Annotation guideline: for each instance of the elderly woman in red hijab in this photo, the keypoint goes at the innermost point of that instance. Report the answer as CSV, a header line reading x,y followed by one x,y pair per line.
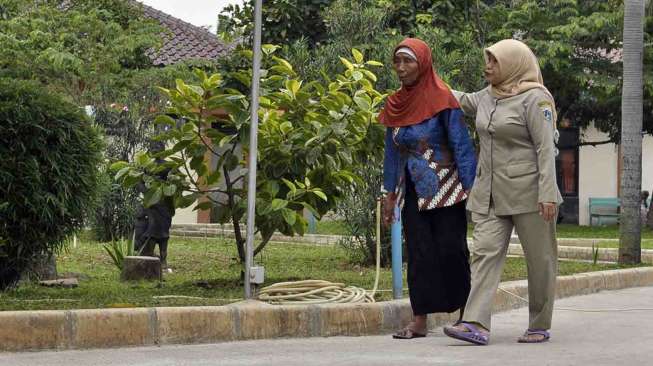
x,y
429,168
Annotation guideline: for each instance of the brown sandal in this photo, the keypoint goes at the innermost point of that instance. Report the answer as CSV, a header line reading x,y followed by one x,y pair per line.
x,y
407,333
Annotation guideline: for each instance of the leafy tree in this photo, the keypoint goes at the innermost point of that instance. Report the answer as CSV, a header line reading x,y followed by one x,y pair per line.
x,y
48,174
74,47
579,45
94,52
127,117
284,21
310,135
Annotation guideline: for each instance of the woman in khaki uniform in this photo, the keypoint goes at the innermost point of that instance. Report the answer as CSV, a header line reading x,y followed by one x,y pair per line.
x,y
515,187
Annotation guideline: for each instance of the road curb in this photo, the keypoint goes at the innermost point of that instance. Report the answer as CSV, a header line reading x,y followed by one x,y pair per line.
x,y
105,328
586,253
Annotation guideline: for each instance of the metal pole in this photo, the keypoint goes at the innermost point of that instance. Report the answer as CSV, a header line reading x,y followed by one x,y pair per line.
x,y
253,151
397,279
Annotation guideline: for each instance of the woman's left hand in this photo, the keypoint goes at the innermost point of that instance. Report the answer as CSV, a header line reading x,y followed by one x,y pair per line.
x,y
548,210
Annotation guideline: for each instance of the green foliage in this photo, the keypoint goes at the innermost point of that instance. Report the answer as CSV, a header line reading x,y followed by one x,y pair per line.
x,y
311,134
94,52
48,173
127,116
76,47
578,43
115,209
374,28
358,209
284,21
118,250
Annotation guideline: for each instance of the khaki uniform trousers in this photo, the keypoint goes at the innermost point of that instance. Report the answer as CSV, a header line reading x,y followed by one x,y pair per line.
x,y
489,249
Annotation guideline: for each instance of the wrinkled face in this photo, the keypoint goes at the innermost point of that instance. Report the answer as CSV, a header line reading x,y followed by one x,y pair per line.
x,y
407,69
491,69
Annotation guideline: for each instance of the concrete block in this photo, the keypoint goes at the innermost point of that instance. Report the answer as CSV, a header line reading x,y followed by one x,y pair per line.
x,y
141,268
645,276
396,315
612,280
351,319
588,283
104,328
202,324
629,278
609,254
256,320
33,330
508,295
441,319
566,286
647,257
298,321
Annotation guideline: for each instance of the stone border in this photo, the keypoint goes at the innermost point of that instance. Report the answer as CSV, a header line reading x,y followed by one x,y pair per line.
x,y
568,248
586,253
102,328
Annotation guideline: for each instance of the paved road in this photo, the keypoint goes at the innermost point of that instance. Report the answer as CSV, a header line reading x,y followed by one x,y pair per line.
x,y
579,338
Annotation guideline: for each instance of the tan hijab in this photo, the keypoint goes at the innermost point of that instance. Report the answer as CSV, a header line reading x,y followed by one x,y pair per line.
x,y
518,69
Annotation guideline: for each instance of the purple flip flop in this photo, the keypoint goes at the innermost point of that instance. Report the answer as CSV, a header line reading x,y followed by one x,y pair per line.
x,y
544,333
472,335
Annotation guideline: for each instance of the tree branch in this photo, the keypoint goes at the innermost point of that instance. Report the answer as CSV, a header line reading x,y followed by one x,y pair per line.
x,y
237,179
208,146
231,202
264,242
207,191
588,143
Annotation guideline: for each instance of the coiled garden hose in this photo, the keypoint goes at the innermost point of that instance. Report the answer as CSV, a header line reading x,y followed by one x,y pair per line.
x,y
322,292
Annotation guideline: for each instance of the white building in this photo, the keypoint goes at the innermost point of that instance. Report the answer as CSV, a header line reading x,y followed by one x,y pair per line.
x,y
598,171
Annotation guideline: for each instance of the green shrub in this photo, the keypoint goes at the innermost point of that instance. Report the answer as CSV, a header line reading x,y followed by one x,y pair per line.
x,y
358,210
48,174
118,250
115,210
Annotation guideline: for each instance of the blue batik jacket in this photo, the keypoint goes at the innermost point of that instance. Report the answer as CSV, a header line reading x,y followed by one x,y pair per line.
x,y
438,155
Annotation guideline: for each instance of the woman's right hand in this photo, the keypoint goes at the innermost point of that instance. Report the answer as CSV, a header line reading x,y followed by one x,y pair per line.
x,y
388,209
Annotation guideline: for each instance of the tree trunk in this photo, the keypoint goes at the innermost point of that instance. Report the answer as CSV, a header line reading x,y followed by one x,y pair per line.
x,y
45,268
136,268
631,133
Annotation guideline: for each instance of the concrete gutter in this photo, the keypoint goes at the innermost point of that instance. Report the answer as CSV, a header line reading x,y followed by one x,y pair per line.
x,y
103,328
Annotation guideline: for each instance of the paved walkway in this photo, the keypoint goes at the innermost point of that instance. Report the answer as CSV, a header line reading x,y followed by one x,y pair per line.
x,y
579,338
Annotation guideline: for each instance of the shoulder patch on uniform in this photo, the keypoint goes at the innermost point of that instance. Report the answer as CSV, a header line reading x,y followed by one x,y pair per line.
x,y
547,110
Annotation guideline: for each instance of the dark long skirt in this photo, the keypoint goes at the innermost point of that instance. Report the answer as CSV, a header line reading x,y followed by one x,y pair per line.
x,y
438,257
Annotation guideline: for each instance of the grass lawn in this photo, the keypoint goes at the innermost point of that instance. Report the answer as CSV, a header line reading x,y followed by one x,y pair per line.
x,y
603,232
206,271
646,244
334,227
337,227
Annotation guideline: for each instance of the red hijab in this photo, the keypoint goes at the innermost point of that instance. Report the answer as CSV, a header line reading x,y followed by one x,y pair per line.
x,y
429,96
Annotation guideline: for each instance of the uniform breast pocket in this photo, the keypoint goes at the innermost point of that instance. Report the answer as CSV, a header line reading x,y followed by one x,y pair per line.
x,y
515,120
521,169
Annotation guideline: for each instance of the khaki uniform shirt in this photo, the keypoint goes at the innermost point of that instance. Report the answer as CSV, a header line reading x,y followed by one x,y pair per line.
x,y
516,166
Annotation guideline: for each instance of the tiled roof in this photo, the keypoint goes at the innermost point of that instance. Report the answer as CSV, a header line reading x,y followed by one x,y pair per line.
x,y
183,41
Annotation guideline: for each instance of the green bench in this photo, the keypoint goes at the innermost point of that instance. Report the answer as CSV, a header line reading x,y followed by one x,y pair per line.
x,y
603,207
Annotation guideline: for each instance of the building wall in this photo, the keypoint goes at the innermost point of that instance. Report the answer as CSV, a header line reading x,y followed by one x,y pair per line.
x,y
185,215
598,170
